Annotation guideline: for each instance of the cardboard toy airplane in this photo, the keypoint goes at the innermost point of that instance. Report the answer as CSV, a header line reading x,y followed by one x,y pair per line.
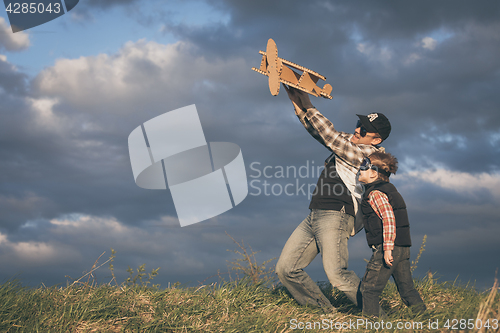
x,y
272,66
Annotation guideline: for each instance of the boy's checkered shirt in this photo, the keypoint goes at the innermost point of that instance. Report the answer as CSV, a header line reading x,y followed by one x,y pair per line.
x,y
380,204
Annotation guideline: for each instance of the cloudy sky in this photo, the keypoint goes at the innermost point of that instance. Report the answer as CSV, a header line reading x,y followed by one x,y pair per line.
x,y
73,89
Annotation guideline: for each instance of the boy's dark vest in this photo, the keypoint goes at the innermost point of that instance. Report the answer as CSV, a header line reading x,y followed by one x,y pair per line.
x,y
373,224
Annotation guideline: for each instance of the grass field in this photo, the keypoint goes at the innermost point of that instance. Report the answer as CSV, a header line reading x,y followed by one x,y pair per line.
x,y
251,303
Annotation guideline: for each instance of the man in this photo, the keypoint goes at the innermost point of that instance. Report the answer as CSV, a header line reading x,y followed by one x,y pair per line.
x,y
333,206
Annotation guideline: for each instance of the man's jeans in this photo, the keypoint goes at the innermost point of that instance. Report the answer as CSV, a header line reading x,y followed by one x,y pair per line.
x,y
378,273
325,231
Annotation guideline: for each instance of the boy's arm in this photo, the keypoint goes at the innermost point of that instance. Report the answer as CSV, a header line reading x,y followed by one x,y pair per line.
x,y
380,204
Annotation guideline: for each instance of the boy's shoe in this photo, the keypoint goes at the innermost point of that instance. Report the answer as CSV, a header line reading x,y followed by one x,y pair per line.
x,y
418,309
381,315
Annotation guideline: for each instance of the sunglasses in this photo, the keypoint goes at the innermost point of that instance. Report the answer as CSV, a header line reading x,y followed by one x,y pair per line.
x,y
367,164
363,131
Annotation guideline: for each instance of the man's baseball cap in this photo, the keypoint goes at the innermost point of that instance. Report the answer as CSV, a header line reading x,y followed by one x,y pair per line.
x,y
376,123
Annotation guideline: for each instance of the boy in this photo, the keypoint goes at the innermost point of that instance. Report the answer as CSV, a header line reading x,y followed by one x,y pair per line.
x,y
388,234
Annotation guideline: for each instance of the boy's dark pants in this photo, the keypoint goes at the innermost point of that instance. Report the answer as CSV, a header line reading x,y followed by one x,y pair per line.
x,y
378,273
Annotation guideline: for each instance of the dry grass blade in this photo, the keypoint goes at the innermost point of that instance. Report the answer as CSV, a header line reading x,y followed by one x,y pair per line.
x,y
250,268
422,249
486,310
93,269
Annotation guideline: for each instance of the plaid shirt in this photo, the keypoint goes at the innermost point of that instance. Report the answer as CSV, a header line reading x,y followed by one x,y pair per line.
x,y
337,142
380,204
349,155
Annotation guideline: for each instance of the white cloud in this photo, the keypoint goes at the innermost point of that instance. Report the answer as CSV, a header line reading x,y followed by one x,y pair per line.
x,y
34,251
380,54
164,220
87,230
70,238
12,41
460,182
138,73
3,238
429,43
44,115
29,253
87,224
67,238
458,140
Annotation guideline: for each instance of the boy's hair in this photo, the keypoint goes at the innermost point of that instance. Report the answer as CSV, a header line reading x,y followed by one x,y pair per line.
x,y
384,161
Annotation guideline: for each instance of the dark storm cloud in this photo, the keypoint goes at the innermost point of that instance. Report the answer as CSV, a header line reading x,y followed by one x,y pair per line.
x,y
110,3
319,26
376,20
450,84
16,201
12,82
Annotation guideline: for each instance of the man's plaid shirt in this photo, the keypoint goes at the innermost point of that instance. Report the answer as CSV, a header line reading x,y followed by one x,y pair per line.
x,y
349,156
380,204
337,142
